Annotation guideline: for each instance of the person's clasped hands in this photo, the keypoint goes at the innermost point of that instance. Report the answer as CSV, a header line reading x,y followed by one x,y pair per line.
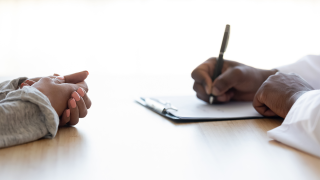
x,y
272,93
67,95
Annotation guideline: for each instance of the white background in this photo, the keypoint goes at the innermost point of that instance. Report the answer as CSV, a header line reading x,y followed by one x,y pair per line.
x,y
151,37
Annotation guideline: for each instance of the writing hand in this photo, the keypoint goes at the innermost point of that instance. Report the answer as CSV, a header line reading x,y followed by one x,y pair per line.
x,y
237,81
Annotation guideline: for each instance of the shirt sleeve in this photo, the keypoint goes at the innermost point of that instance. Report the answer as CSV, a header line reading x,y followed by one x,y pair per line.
x,y
301,127
307,67
25,115
8,86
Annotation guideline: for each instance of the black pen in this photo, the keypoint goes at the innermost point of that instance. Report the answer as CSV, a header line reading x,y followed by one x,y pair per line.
x,y
219,63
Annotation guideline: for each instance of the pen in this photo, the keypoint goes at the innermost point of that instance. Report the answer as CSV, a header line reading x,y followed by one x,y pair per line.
x,y
219,63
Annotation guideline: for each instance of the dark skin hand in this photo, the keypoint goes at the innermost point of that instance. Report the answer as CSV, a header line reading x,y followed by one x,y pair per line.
x,y
278,93
237,81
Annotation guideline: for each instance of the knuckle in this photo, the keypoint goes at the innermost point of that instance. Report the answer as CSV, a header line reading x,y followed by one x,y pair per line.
x,y
46,79
74,122
195,87
221,83
83,114
198,96
294,74
271,78
262,93
278,74
212,59
237,71
87,103
193,73
263,86
85,88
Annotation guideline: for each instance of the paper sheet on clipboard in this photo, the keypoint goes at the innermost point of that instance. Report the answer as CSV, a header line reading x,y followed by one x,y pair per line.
x,y
191,108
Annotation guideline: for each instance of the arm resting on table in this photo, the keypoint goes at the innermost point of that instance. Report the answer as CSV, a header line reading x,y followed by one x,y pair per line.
x,y
301,127
26,115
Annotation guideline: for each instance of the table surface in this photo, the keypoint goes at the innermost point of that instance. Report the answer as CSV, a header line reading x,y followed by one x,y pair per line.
x,y
149,47
119,139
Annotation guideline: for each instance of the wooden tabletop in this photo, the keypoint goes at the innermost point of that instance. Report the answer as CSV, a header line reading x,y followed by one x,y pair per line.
x,y
120,139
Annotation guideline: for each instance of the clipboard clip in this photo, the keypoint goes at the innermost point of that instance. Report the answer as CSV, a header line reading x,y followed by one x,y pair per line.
x,y
159,106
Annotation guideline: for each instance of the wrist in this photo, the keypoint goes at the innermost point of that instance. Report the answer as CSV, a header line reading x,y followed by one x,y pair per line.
x,y
267,73
295,97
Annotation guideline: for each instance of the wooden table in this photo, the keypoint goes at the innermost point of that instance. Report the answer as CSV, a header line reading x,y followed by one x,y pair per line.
x,y
120,139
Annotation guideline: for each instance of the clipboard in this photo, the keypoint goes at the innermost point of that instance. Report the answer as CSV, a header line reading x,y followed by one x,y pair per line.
x,y
190,108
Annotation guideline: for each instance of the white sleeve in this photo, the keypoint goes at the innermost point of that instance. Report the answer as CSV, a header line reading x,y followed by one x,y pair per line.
x,y
301,127
307,67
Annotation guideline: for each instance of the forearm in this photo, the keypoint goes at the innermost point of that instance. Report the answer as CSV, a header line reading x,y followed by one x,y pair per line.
x,y
20,122
11,85
26,115
301,127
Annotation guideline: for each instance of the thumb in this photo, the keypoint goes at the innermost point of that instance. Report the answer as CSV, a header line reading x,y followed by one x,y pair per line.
x,y
73,78
225,81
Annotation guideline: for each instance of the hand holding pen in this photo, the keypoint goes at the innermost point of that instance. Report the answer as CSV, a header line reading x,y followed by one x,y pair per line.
x,y
227,81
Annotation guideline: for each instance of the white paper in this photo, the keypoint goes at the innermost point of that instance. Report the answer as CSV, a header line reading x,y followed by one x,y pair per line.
x,y
192,107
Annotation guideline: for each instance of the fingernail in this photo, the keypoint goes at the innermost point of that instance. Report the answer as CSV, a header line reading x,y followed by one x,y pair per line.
x,y
207,90
215,91
73,103
60,77
76,96
88,72
80,92
68,112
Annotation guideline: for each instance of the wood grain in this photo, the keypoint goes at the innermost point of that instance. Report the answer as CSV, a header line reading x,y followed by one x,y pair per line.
x,y
120,139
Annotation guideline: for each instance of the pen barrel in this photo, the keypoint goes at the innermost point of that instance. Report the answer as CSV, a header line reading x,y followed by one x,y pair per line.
x,y
218,67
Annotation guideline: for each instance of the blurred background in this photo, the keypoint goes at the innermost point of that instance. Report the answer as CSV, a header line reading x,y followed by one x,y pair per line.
x,y
121,38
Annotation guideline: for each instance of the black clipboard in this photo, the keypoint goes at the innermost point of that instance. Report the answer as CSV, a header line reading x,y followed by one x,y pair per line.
x,y
182,108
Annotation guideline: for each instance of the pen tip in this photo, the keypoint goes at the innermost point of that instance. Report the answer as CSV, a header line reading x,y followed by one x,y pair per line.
x,y
211,99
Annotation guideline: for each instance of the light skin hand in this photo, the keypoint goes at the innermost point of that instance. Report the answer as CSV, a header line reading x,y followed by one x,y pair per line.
x,y
81,102
237,82
71,78
58,94
78,104
278,93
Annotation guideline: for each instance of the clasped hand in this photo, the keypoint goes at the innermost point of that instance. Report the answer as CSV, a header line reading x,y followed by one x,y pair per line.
x,y
272,93
67,95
